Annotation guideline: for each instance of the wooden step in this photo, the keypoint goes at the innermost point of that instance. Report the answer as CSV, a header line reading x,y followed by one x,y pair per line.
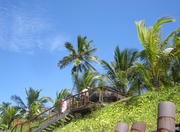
x,y
54,124
51,127
48,129
54,120
71,116
59,120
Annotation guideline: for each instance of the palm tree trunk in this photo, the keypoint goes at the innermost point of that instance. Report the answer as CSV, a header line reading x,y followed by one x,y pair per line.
x,y
155,80
139,89
156,84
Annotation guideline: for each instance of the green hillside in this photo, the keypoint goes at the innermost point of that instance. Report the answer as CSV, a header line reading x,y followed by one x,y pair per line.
x,y
139,108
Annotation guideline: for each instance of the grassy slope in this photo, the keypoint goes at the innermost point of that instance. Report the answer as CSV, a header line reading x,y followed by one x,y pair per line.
x,y
142,108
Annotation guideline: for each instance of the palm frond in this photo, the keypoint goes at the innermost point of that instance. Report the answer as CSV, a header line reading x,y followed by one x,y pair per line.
x,y
89,67
92,59
4,106
32,95
165,42
142,32
70,47
63,94
65,61
115,77
132,56
45,99
81,43
86,80
18,101
90,51
109,69
161,21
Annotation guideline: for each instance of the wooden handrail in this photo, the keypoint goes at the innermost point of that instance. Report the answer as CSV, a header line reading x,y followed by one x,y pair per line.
x,y
50,117
30,120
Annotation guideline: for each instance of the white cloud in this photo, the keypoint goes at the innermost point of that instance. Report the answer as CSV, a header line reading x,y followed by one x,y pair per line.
x,y
58,42
21,32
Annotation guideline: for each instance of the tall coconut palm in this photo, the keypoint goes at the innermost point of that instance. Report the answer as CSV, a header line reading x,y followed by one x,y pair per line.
x,y
118,69
154,47
35,103
81,58
87,79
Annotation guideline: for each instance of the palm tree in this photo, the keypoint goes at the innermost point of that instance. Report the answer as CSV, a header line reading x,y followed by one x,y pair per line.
x,y
63,94
81,58
139,79
118,69
175,71
87,79
174,58
7,114
154,47
60,96
35,103
3,107
176,42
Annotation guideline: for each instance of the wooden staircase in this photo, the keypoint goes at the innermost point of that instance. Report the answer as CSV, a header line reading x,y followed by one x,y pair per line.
x,y
76,104
57,121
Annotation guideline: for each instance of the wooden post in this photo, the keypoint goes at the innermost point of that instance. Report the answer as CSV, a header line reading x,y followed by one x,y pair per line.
x,y
49,113
16,128
166,117
60,107
103,91
21,128
72,103
87,97
101,95
121,127
138,127
29,128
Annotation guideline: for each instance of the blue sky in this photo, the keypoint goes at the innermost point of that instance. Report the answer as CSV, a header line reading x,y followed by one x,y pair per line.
x,y
32,34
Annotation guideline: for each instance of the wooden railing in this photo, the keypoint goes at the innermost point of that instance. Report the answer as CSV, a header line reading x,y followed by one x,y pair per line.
x,y
73,102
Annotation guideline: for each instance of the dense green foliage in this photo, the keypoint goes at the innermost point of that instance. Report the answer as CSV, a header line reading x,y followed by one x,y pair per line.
x,y
137,108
